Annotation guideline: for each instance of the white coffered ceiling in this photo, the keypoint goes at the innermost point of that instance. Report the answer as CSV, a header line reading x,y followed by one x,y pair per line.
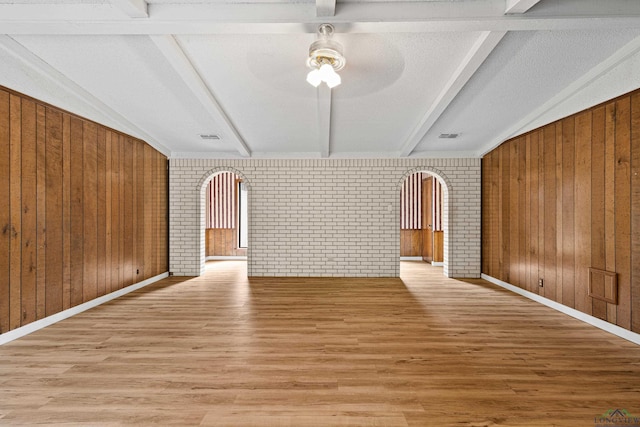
x,y
168,71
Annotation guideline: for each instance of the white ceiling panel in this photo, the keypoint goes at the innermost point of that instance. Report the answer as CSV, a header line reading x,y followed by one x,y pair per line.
x,y
524,71
168,71
389,83
260,81
128,74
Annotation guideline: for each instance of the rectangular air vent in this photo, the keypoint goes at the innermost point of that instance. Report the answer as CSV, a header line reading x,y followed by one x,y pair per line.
x,y
448,135
209,137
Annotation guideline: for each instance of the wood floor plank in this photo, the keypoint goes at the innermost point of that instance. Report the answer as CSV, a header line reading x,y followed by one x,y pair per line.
x,y
222,349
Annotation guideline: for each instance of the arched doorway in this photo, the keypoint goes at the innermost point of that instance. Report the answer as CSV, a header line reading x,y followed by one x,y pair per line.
x,y
224,216
424,217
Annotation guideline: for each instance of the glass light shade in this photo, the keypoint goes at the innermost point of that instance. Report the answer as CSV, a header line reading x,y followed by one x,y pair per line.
x,y
333,79
314,78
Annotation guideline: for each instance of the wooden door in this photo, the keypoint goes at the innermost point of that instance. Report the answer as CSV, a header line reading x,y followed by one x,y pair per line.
x,y
427,219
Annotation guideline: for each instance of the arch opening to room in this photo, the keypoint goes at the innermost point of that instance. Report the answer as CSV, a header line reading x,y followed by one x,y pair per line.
x,y
224,223
424,219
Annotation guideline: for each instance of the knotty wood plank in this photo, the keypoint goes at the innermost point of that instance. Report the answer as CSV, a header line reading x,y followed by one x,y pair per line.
x,y
53,176
534,196
598,219
29,210
635,212
583,210
550,212
623,210
101,194
568,212
5,217
76,208
66,211
150,211
15,195
41,215
609,205
514,214
90,215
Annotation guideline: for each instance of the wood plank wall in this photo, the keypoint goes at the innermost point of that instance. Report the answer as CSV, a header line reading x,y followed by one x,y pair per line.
x,y
411,234
566,197
83,210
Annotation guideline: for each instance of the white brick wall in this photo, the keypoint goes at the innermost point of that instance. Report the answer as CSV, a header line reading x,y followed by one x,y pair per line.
x,y
325,217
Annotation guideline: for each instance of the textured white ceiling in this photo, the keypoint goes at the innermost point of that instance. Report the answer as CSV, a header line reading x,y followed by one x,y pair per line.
x,y
170,70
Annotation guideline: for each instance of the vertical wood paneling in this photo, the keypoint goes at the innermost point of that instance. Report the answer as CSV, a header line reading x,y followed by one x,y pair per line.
x,y
15,195
101,194
108,200
76,209
564,198
5,207
29,210
550,235
142,165
505,211
116,230
583,211
541,208
66,211
635,212
90,206
598,217
568,211
53,205
514,211
623,211
600,307
84,209
129,272
41,214
559,211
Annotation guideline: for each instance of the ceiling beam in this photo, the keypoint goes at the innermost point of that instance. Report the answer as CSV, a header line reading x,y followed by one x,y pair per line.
x,y
55,77
528,122
519,6
325,7
174,54
324,119
133,8
481,49
296,18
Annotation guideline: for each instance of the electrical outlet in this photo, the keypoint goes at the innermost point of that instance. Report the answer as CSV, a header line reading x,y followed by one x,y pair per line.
x,y
541,282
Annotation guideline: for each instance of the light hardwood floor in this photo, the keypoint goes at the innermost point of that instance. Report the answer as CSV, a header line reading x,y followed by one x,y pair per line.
x,y
224,350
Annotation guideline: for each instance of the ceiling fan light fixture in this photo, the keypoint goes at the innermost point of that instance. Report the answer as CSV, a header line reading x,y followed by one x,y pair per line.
x,y
325,58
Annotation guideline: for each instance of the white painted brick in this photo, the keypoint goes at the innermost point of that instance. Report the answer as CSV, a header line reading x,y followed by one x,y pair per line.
x,y
303,212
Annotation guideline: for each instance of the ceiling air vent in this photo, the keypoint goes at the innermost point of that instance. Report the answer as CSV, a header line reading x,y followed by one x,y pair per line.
x,y
448,135
209,137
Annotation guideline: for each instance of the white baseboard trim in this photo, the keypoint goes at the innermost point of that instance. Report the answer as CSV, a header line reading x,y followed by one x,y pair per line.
x,y
437,264
410,258
598,323
226,258
54,318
